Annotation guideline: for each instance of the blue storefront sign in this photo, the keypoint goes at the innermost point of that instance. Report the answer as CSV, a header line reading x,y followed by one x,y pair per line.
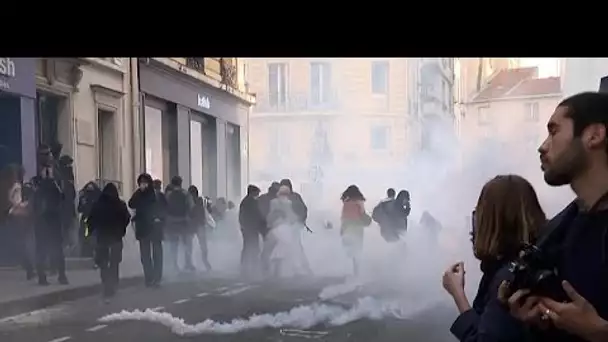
x,y
18,76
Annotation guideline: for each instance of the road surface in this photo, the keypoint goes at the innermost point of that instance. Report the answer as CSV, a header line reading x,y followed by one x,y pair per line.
x,y
197,299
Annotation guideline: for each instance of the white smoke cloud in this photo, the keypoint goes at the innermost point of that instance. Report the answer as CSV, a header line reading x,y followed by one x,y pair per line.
x,y
302,317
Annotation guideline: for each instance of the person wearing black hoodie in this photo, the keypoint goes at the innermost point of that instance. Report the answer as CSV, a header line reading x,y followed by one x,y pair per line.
x,y
391,215
252,224
108,221
574,153
149,220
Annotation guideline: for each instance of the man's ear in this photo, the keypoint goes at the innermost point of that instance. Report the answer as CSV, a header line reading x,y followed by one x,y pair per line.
x,y
596,136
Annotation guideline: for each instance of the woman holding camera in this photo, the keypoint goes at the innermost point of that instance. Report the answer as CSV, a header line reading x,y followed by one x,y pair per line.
x,y
507,214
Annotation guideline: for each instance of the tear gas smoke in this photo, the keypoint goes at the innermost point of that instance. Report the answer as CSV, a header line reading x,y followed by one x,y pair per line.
x,y
445,179
303,317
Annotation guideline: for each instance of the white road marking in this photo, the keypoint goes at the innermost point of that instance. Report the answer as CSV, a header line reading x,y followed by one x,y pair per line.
x,y
35,317
204,294
61,339
181,301
158,308
223,288
97,327
236,291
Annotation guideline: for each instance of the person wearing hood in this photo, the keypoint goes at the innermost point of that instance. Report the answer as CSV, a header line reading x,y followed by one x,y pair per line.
x,y
264,207
252,224
87,197
178,228
391,215
149,221
108,221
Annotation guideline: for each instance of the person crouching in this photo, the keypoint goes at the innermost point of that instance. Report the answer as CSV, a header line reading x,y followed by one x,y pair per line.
x,y
108,220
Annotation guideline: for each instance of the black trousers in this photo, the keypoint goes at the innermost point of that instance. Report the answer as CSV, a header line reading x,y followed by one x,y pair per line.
x,y
250,255
108,255
151,254
49,245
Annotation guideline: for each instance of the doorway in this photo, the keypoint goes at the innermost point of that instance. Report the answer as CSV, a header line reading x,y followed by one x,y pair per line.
x,y
106,146
233,161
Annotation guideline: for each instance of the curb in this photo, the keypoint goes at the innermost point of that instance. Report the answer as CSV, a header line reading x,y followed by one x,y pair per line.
x,y
37,302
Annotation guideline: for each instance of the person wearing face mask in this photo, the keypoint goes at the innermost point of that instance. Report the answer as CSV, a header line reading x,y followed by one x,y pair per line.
x,y
109,219
148,223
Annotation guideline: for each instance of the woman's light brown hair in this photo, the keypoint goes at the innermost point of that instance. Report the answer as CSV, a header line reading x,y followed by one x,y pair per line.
x,y
507,214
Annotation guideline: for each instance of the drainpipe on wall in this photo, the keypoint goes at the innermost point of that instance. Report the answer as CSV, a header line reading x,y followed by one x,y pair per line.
x,y
135,118
248,145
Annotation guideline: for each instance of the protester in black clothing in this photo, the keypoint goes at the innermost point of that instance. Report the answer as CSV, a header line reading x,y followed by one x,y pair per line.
x,y
149,222
264,206
47,209
200,221
108,221
252,225
507,214
574,153
178,230
391,215
87,197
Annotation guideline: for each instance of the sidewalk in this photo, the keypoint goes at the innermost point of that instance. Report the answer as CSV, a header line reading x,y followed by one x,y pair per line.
x,y
17,295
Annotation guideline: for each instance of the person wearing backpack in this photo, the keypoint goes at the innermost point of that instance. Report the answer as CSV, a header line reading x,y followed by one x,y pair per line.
x,y
178,230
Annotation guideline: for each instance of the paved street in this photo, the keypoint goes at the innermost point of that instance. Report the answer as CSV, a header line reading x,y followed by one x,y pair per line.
x,y
195,300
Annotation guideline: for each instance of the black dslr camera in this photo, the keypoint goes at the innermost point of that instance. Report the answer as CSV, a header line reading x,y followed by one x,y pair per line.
x,y
536,271
535,268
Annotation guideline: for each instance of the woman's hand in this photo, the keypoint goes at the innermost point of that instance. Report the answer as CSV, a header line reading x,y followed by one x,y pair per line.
x,y
453,283
453,279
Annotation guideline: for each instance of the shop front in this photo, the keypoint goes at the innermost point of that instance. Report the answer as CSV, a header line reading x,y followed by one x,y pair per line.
x,y
17,134
17,108
193,130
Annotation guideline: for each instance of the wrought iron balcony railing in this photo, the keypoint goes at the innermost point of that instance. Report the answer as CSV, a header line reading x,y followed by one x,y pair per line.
x,y
281,102
196,63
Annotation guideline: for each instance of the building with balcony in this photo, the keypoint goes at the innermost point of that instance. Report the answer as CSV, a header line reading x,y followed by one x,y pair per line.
x,y
327,123
432,103
195,114
505,122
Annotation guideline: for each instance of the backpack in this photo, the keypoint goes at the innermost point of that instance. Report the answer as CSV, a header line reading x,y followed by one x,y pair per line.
x,y
177,203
